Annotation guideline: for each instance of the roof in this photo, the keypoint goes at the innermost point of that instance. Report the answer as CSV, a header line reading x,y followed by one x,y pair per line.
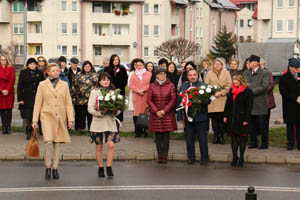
x,y
226,4
238,2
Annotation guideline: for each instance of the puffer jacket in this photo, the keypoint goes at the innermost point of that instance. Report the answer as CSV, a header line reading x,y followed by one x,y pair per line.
x,y
162,97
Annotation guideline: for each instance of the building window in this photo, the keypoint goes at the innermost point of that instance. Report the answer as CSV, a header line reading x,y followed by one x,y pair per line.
x,y
290,27
18,6
201,32
98,51
155,52
116,29
241,38
250,23
146,8
146,30
64,50
197,32
63,6
241,23
102,7
18,28
118,51
34,5
279,3
38,50
19,50
38,28
120,29
74,28
74,6
146,51
97,29
279,26
156,9
64,29
74,50
156,30
291,3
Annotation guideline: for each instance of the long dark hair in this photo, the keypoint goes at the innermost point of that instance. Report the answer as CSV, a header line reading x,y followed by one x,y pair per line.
x,y
111,60
146,66
133,62
87,62
104,75
172,63
245,65
190,63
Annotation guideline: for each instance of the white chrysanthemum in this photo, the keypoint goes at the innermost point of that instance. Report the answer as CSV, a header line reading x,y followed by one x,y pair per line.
x,y
106,98
113,97
126,101
201,91
209,86
216,87
101,98
208,90
120,96
203,87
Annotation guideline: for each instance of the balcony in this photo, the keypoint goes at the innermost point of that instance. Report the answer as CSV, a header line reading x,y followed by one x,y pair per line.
x,y
4,12
34,38
117,40
34,16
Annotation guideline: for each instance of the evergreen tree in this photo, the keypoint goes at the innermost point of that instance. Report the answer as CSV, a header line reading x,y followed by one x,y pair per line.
x,y
224,45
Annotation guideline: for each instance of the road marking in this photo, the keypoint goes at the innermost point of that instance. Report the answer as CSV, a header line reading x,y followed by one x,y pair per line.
x,y
148,187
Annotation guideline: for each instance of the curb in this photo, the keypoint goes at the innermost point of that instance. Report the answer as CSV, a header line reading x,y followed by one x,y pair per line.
x,y
224,158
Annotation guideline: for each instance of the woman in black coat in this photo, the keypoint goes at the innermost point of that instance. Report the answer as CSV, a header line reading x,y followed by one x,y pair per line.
x,y
237,115
29,79
119,77
172,74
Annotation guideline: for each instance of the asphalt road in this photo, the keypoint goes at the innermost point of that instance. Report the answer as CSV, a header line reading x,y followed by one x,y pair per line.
x,y
148,180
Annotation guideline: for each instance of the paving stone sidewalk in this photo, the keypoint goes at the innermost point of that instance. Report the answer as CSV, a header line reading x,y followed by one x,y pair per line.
x,y
12,148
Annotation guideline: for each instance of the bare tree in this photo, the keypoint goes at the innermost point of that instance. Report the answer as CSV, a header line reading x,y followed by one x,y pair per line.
x,y
178,49
9,52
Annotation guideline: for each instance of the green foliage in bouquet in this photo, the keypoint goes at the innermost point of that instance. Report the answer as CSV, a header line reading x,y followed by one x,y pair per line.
x,y
111,101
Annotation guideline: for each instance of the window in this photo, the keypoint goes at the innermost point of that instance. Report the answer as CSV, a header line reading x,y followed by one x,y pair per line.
x,y
156,30
74,6
200,12
291,3
197,32
279,3
38,50
156,9
116,29
146,51
118,51
19,50
279,26
63,6
97,29
64,29
290,27
18,28
241,23
98,51
146,8
241,38
74,50
250,23
120,29
146,30
74,28
249,38
102,7
18,6
201,32
34,5
155,52
38,28
64,50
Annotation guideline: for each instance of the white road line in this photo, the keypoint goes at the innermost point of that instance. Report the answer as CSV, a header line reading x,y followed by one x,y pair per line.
x,y
149,187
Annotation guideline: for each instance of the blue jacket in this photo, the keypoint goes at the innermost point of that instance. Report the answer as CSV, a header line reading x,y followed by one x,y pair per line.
x,y
202,114
64,77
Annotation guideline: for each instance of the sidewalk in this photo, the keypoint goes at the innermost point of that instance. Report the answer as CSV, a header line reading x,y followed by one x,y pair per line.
x,y
12,148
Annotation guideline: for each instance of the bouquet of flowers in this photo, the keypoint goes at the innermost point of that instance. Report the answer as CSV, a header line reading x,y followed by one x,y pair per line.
x,y
111,101
195,96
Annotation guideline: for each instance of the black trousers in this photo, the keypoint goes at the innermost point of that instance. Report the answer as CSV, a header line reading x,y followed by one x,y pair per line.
x,y
218,125
290,134
259,125
238,141
77,119
6,116
83,116
162,140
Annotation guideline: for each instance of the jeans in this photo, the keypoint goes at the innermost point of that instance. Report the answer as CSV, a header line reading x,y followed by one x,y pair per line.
x,y
290,134
258,124
193,130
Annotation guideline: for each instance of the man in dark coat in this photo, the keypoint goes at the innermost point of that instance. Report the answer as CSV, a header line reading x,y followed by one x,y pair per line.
x,y
289,87
258,80
73,70
198,125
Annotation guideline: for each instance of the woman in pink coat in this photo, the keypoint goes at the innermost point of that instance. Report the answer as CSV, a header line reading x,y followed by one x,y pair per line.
x,y
7,94
139,83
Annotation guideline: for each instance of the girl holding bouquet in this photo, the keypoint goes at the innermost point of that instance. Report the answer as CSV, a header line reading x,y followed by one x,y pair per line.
x,y
103,127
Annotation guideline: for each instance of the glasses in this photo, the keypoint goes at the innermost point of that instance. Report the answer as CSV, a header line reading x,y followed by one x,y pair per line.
x,y
42,60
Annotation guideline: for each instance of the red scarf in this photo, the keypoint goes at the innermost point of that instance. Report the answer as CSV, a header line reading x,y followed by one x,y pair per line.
x,y
237,90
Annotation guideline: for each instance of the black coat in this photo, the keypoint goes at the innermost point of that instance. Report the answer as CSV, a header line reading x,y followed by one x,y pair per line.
x,y
71,75
239,111
174,78
119,79
27,86
290,90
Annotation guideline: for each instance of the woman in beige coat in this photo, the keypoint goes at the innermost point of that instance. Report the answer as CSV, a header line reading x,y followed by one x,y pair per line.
x,y
221,77
53,106
104,127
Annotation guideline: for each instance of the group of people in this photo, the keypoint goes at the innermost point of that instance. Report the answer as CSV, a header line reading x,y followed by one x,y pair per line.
x,y
55,98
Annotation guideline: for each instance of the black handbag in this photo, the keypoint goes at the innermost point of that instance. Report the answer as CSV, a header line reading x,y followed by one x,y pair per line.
x,y
142,121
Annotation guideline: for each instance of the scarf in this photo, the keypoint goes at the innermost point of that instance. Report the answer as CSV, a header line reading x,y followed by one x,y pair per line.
x,y
161,82
54,81
140,73
237,90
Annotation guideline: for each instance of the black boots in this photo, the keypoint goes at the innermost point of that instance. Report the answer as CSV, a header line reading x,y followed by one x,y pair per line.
x,y
55,174
101,172
48,174
6,130
109,171
216,139
234,162
28,132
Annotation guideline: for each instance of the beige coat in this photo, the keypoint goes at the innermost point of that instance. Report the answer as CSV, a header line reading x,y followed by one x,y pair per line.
x,y
101,122
54,107
222,80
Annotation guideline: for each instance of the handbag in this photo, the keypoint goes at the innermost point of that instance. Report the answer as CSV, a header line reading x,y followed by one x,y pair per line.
x,y
142,120
32,147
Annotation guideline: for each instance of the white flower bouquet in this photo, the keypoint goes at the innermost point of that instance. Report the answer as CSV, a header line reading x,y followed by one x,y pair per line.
x,y
111,101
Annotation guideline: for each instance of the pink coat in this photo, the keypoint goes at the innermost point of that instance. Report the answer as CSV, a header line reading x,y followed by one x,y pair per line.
x,y
135,84
7,81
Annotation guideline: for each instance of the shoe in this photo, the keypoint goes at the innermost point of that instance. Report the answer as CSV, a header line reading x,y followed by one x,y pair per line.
x,y
263,147
164,160
290,147
191,161
203,162
241,162
138,135
234,162
159,159
216,140
252,146
221,140
48,174
55,174
101,172
146,134
8,130
4,131
109,171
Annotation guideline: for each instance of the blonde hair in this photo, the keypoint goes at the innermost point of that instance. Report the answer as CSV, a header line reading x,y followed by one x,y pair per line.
x,y
241,78
207,61
8,63
46,63
51,65
234,60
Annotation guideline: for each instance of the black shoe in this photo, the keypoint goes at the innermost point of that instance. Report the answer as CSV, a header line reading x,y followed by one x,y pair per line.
x,y
241,162
234,162
109,171
252,146
55,174
203,162
101,172
290,147
138,135
216,140
263,147
5,131
221,140
48,173
191,161
8,130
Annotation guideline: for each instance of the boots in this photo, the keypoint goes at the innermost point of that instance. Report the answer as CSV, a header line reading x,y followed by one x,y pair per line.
x,y
48,174
101,172
28,132
216,139
55,174
234,161
3,129
109,171
221,138
8,130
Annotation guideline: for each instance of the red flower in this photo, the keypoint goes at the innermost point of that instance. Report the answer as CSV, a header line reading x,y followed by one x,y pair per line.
x,y
189,104
196,92
190,96
189,91
181,94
